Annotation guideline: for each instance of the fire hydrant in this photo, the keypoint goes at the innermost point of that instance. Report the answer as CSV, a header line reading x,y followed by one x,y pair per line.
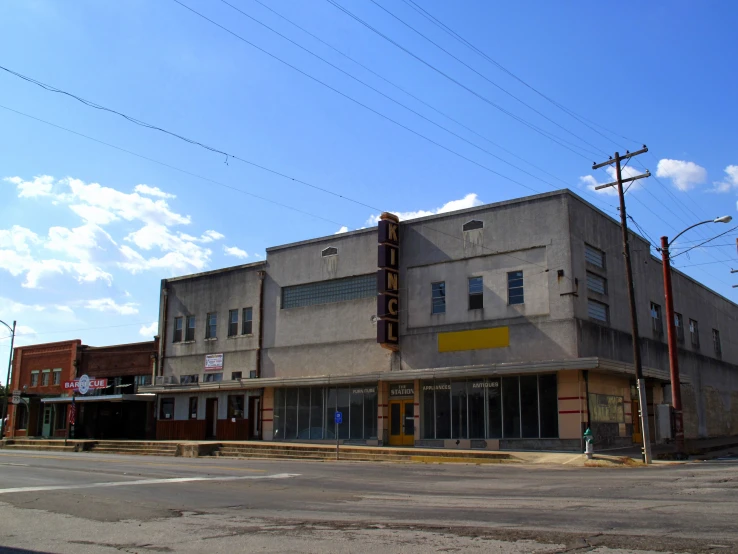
x,y
589,443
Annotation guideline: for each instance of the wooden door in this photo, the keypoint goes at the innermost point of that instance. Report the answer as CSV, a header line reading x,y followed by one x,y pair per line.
x,y
402,423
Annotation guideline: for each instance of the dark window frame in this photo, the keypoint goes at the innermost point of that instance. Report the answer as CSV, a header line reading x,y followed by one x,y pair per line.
x,y
591,301
515,288
595,253
232,325
679,325
215,377
592,276
694,333
192,413
657,321
162,412
716,344
178,328
190,379
236,375
190,329
211,325
438,301
472,225
476,299
247,322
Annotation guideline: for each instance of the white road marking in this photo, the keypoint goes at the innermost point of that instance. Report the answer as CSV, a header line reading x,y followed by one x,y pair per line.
x,y
147,482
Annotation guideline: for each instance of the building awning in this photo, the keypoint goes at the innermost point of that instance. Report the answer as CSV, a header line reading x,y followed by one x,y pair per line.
x,y
146,397
486,370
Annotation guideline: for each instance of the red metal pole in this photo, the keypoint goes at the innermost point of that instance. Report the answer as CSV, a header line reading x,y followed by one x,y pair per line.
x,y
676,391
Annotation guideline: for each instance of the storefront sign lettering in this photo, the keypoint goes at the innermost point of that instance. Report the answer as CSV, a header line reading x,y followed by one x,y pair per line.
x,y
402,390
388,281
364,390
88,384
485,384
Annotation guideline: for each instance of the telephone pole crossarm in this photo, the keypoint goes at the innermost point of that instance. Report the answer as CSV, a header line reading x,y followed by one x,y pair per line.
x,y
628,180
627,155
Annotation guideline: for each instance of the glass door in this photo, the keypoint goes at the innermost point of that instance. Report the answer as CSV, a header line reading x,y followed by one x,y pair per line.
x,y
402,423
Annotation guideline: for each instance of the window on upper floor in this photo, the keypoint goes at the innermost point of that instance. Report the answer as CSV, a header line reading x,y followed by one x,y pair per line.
x,y
598,310
515,288
236,375
211,327
333,290
213,377
189,379
57,376
594,256
34,378
438,298
247,326
716,343
190,332
656,321
178,322
679,324
45,375
232,323
476,293
694,333
595,283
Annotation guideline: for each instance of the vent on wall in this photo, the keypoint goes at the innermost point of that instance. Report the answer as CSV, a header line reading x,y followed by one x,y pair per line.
x,y
330,251
472,225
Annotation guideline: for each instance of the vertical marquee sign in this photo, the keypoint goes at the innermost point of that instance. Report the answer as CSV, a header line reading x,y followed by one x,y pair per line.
x,y
388,281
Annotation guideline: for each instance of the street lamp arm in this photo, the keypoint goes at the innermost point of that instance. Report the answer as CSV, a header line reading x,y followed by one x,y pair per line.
x,y
8,326
688,228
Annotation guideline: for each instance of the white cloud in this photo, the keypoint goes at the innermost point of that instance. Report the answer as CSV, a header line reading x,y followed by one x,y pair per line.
x,y
180,254
110,305
729,182
19,239
258,256
684,175
153,191
590,182
235,251
149,331
343,229
469,201
93,214
40,186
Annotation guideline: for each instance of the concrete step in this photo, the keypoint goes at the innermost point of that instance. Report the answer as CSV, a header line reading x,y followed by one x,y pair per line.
x,y
171,447
133,452
40,447
370,452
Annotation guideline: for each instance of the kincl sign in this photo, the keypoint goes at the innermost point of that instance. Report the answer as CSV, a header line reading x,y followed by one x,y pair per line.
x,y
388,281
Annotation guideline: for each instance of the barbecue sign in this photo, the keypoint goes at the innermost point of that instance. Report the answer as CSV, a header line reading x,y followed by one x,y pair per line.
x,y
85,384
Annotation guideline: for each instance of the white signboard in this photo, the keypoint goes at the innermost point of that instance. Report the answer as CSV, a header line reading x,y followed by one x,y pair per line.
x,y
84,384
213,362
16,397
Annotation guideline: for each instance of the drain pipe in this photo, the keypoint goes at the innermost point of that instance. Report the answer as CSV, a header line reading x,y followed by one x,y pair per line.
x,y
164,304
262,276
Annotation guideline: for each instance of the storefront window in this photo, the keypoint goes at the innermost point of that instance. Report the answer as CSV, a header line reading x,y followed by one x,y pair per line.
x,y
475,392
370,412
356,416
458,410
443,410
549,405
167,408
21,417
510,408
316,413
343,406
290,431
235,406
428,418
303,413
494,409
529,406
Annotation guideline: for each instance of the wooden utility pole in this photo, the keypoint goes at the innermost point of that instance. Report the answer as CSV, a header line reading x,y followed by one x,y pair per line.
x,y
642,401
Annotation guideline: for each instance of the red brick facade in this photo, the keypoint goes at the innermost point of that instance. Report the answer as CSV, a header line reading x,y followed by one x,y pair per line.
x,y
118,361
43,359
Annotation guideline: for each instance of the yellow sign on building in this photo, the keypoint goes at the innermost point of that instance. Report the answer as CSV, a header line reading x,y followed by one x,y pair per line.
x,y
497,337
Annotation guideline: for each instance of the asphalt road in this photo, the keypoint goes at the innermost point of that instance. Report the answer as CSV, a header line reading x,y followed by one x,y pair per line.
x,y
107,503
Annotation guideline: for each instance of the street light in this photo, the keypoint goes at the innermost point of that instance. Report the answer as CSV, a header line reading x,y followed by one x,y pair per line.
x,y
676,391
7,378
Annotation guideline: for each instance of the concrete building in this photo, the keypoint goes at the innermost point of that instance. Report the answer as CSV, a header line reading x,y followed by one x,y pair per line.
x,y
501,326
47,377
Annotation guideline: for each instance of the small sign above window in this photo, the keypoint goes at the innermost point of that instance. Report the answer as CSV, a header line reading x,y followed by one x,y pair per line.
x,y
404,389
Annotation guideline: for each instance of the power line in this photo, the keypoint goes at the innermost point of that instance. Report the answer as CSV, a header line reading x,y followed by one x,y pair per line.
x,y
560,141
483,76
190,141
170,166
410,94
708,240
481,53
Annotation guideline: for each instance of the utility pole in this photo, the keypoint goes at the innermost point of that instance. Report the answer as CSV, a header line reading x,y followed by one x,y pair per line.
x,y
642,401
7,380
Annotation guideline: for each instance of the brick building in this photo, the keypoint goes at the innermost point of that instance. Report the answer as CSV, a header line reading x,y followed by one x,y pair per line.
x,y
116,410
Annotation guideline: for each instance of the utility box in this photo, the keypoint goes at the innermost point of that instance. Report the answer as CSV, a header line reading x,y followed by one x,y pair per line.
x,y
663,423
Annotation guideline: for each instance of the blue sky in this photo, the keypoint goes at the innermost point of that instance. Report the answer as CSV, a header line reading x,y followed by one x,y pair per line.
x,y
87,230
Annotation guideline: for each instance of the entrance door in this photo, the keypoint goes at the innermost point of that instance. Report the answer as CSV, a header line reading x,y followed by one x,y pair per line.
x,y
636,420
402,423
46,425
211,417
254,416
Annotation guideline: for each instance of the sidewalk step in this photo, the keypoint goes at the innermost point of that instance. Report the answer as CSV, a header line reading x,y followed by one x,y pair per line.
x,y
40,447
132,452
